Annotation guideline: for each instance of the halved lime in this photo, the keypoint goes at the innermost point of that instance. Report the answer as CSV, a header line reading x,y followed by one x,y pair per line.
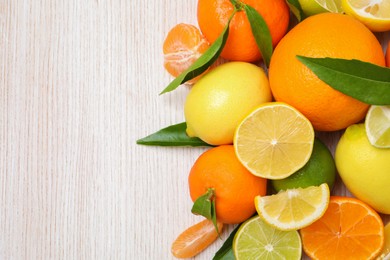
x,y
378,126
312,7
255,239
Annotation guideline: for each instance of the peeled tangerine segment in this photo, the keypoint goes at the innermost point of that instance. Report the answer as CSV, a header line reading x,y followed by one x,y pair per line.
x,y
274,141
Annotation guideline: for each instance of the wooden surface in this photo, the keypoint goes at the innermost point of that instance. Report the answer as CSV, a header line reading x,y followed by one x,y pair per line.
x,y
79,84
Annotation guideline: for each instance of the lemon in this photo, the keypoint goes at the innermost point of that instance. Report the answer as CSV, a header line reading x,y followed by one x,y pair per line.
x,y
274,140
364,169
219,101
319,169
378,126
312,7
255,239
294,209
375,14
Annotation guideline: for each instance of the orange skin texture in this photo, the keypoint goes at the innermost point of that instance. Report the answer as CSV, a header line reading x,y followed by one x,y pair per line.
x,y
213,16
323,35
235,187
351,228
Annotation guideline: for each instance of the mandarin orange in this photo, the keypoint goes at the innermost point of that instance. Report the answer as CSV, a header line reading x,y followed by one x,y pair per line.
x,y
349,229
234,186
183,45
213,16
322,35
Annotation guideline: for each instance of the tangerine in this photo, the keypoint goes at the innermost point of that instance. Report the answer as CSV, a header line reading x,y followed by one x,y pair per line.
x,y
349,229
235,188
323,35
183,45
213,16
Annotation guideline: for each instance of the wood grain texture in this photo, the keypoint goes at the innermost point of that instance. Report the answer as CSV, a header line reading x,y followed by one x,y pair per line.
x,y
79,84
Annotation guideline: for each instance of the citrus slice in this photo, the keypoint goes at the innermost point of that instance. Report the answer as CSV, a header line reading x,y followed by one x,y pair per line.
x,y
195,239
312,7
378,126
255,239
386,249
375,14
274,141
293,209
349,229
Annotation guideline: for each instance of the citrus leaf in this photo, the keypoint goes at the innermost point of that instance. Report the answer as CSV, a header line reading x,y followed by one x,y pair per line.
x,y
363,81
205,206
204,61
174,135
226,251
260,32
296,9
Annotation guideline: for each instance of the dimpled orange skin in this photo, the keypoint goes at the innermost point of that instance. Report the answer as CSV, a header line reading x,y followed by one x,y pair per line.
x,y
323,35
235,187
213,16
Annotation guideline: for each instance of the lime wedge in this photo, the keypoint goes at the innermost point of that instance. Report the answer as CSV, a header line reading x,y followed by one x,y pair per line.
x,y
378,126
312,7
256,239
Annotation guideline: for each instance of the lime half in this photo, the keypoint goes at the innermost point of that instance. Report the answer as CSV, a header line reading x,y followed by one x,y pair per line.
x,y
256,239
378,126
312,7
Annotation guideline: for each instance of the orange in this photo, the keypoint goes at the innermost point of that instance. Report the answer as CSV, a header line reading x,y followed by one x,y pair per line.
x,y
388,55
322,35
195,239
235,188
183,45
349,229
213,16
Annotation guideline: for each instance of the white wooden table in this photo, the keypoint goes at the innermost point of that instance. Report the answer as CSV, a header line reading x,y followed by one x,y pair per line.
x,y
79,84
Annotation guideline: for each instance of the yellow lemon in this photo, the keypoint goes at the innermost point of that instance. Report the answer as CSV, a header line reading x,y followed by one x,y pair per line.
x,y
219,101
364,168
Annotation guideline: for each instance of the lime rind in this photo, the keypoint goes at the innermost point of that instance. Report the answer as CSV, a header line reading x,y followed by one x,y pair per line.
x,y
256,239
378,126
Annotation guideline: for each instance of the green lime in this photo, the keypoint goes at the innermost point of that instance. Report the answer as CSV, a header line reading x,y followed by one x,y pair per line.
x,y
312,7
319,169
256,239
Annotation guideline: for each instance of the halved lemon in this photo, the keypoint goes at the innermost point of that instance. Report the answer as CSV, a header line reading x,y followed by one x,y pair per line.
x,y
255,239
378,126
312,7
375,14
274,141
294,209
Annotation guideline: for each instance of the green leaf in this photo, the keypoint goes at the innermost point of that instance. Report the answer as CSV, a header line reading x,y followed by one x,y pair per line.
x,y
260,32
296,9
363,81
204,61
205,206
174,135
226,251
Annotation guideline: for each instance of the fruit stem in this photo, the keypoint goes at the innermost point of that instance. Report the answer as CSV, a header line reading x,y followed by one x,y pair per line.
x,y
238,5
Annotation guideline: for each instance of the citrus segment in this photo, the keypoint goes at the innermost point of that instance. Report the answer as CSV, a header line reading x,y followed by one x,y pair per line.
x,y
312,7
274,141
349,229
294,208
183,45
195,239
373,13
378,126
255,239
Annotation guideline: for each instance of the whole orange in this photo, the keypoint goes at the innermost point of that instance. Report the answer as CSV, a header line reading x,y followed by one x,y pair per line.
x,y
234,186
213,16
322,35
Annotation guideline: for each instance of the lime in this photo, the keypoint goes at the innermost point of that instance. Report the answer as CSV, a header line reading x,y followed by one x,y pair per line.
x,y
378,126
293,209
312,7
319,169
221,98
274,141
364,169
255,239
372,13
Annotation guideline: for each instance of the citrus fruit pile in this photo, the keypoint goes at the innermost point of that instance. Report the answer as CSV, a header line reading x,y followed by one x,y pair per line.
x,y
282,83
